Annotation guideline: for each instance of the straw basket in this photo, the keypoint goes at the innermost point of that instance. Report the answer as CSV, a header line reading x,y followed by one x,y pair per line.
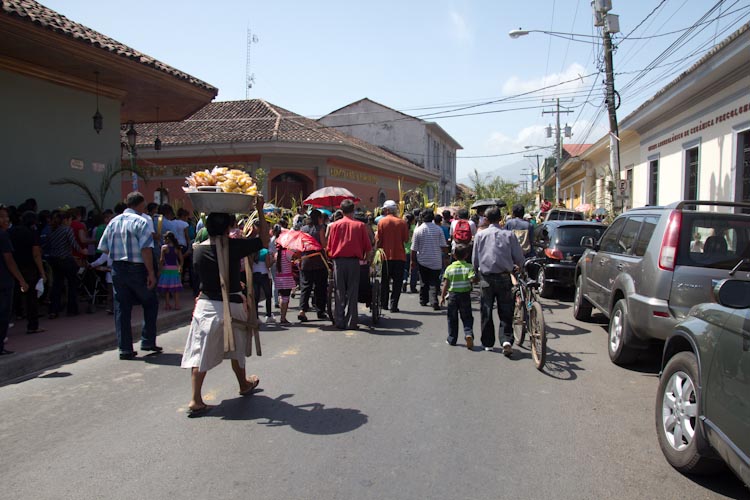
x,y
208,199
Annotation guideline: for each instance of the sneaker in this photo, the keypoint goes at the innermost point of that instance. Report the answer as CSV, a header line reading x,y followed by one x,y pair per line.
x,y
322,315
470,343
449,342
302,317
488,348
270,319
507,349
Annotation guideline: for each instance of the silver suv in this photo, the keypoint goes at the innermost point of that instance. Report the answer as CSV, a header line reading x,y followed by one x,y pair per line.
x,y
654,263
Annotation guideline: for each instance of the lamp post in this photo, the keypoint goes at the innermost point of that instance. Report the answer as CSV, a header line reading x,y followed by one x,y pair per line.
x,y
610,24
132,137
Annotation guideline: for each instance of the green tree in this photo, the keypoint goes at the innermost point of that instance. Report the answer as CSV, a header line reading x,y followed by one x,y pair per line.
x,y
98,195
497,187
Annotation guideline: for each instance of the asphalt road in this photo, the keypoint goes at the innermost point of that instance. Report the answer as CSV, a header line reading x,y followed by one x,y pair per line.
x,y
389,413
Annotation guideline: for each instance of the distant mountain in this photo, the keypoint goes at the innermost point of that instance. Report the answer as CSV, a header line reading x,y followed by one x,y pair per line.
x,y
513,172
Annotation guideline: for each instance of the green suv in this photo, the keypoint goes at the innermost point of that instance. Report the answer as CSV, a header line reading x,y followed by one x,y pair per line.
x,y
703,403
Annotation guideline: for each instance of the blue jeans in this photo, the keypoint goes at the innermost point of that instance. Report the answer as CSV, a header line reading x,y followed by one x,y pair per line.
x,y
459,304
498,289
129,282
6,308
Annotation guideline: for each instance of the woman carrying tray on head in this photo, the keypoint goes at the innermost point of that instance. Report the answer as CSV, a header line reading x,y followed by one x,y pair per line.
x,y
205,344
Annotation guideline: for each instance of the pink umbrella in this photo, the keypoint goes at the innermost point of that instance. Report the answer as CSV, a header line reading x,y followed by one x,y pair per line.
x,y
583,207
297,241
330,196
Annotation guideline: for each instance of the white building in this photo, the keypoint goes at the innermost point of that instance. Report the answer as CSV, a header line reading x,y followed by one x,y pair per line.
x,y
694,134
421,142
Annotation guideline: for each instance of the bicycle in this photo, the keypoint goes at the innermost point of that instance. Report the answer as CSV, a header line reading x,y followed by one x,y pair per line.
x,y
528,314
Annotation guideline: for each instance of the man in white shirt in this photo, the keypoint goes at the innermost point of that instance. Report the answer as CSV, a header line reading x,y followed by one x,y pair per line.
x,y
428,249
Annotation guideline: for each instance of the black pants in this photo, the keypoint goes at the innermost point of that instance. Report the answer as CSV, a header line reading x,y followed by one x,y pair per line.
x,y
498,289
64,270
29,300
393,278
262,282
428,291
313,282
459,304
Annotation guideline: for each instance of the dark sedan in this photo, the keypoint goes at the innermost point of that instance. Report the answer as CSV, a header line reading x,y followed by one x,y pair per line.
x,y
560,244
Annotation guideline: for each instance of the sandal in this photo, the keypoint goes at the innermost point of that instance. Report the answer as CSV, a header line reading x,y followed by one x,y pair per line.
x,y
199,412
254,382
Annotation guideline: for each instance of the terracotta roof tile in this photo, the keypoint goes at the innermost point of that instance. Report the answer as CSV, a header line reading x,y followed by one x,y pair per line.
x,y
44,17
250,121
575,149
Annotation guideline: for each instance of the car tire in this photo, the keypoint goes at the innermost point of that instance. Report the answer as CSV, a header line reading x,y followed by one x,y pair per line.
x,y
618,331
677,415
546,291
581,306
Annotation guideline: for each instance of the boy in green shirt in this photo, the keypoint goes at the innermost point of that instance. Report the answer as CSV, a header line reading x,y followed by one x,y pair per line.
x,y
457,281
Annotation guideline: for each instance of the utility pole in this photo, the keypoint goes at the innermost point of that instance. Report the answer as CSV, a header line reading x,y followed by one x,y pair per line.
x,y
249,76
610,24
538,176
558,146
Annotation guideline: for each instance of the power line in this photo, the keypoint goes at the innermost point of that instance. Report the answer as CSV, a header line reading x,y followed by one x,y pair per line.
x,y
643,20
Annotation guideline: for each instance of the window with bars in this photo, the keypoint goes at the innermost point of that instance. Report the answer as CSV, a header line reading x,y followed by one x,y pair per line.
x,y
653,182
743,145
691,174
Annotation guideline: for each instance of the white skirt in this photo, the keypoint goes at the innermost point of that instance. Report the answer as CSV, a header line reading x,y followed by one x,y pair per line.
x,y
204,348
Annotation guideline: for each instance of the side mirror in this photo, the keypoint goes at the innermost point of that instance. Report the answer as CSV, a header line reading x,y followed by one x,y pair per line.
x,y
587,242
733,293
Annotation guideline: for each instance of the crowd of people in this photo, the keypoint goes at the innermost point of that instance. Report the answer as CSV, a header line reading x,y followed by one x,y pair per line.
x,y
147,249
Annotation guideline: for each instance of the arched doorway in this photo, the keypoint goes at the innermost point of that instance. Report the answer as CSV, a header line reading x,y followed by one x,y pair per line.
x,y
289,185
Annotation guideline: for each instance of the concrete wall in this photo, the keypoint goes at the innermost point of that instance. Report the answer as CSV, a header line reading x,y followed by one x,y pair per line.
x,y
707,126
44,126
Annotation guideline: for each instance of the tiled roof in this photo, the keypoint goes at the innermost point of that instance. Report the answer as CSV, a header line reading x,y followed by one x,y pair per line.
x,y
46,18
251,121
708,55
575,149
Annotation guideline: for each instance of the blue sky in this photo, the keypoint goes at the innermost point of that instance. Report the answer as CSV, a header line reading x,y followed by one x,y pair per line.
x,y
421,57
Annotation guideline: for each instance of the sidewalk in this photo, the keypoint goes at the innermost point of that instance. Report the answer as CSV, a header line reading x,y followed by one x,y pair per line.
x,y
70,338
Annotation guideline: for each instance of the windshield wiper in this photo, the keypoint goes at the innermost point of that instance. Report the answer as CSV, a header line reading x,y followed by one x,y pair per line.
x,y
739,264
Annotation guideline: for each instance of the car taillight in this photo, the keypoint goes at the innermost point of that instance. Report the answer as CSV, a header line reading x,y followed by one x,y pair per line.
x,y
553,253
670,242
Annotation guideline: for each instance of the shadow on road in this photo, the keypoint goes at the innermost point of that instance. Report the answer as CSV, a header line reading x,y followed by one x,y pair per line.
x,y
558,365
396,326
163,358
724,483
310,418
56,375
564,329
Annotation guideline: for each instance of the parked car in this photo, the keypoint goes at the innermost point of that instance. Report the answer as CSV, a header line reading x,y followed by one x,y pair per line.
x,y
562,214
702,408
559,244
654,263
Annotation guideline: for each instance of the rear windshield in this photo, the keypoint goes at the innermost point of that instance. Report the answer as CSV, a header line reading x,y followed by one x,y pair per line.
x,y
717,241
570,236
565,215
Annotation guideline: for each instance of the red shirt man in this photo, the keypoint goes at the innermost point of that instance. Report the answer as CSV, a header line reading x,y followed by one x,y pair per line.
x,y
348,242
393,233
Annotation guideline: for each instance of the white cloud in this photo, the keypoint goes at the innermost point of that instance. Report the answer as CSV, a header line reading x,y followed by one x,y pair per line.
x,y
460,28
515,85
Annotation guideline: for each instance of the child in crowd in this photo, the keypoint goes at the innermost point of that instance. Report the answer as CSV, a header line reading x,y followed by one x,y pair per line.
x,y
262,282
284,280
170,281
457,281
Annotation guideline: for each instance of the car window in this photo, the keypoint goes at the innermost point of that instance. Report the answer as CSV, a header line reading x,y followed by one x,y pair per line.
x,y
644,237
629,232
714,240
608,242
570,236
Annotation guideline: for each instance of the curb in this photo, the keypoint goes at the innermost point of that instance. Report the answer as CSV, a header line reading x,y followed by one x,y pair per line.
x,y
27,363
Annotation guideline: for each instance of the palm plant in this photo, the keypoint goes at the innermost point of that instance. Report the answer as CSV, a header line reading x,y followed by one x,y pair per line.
x,y
98,195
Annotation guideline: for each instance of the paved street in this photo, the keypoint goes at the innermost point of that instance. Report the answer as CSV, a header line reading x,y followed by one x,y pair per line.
x,y
393,413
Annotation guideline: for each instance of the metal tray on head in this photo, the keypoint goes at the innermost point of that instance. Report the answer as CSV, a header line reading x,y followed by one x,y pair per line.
x,y
214,200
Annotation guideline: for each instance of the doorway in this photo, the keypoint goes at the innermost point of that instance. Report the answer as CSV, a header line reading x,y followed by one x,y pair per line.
x,y
288,186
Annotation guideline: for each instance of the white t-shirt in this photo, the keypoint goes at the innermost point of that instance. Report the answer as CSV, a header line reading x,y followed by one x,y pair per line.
x,y
471,225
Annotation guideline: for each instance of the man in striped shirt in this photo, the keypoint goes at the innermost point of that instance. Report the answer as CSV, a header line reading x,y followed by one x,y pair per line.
x,y
428,249
128,241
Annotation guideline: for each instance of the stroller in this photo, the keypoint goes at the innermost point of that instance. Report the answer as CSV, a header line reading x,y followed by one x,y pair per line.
x,y
93,287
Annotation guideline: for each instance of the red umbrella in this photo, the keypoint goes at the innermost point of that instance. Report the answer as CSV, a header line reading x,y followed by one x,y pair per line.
x,y
297,241
330,197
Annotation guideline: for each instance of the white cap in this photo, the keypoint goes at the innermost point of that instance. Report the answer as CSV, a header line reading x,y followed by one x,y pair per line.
x,y
527,216
390,205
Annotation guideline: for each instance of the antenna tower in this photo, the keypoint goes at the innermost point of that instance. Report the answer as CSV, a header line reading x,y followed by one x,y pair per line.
x,y
249,76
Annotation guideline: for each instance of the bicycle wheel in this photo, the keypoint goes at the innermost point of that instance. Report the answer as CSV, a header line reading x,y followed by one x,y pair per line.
x,y
519,319
329,301
375,301
537,335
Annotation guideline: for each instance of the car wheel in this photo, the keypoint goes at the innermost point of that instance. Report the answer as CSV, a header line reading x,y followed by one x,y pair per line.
x,y
546,291
581,306
619,330
677,417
